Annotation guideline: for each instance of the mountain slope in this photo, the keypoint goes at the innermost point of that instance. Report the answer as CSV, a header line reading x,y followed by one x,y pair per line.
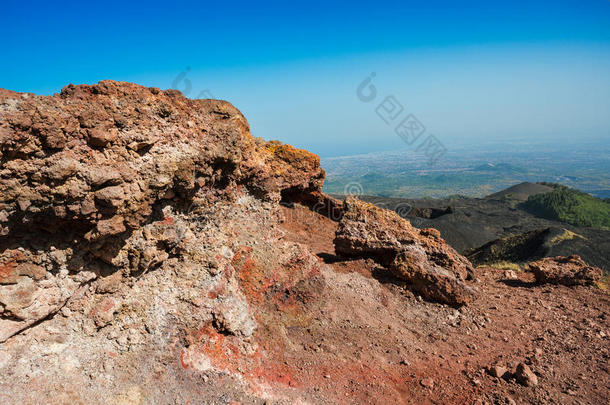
x,y
472,223
153,251
520,192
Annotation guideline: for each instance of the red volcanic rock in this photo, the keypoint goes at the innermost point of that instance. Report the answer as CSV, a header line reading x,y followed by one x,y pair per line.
x,y
91,152
430,280
103,312
571,270
420,257
102,136
84,169
525,375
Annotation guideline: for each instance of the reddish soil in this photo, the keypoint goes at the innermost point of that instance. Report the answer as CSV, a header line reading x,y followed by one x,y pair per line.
x,y
360,336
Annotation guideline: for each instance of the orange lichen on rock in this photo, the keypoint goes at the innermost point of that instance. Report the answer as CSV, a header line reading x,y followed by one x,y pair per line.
x,y
300,159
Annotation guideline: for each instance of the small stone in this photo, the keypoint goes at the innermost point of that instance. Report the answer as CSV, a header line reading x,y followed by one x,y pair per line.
x,y
112,196
23,204
427,382
122,340
213,266
169,194
497,371
103,313
110,284
510,275
525,376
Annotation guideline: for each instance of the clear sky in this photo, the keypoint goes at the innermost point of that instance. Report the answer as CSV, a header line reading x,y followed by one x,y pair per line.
x,y
470,71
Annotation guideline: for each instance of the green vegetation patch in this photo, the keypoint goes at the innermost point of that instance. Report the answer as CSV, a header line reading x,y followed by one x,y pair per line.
x,y
571,206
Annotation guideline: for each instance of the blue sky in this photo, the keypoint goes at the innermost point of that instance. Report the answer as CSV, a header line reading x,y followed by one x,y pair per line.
x,y
470,71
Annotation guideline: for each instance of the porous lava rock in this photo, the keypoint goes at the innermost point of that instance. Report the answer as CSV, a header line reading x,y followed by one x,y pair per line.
x,y
420,257
570,271
86,170
96,159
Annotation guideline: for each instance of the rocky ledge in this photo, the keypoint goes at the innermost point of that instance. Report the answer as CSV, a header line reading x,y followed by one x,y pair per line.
x,y
88,174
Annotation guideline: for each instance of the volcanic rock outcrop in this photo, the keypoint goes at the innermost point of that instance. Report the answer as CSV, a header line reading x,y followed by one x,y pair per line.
x,y
97,158
85,169
571,270
420,257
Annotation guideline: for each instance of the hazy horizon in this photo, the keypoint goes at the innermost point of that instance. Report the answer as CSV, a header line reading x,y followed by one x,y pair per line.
x,y
473,72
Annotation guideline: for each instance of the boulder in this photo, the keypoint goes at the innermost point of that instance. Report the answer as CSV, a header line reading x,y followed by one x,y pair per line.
x,y
570,271
429,280
418,256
